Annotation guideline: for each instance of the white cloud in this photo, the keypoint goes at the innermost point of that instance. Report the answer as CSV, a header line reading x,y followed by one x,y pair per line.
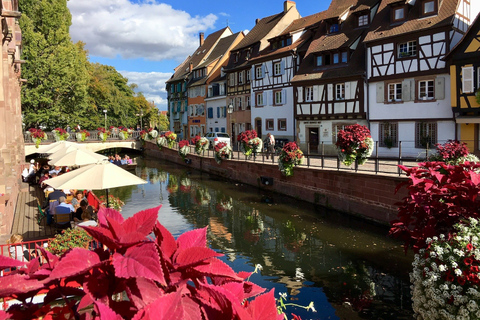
x,y
151,84
224,14
151,30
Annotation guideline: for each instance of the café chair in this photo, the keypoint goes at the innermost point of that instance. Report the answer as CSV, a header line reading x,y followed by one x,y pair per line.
x,y
61,221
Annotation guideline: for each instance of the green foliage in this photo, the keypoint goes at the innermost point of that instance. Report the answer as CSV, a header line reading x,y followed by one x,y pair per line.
x,y
68,239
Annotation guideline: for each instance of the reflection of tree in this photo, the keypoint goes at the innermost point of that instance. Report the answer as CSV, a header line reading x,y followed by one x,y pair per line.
x,y
254,226
172,185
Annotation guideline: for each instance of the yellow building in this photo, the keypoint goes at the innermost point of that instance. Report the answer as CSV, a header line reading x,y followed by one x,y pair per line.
x,y
464,62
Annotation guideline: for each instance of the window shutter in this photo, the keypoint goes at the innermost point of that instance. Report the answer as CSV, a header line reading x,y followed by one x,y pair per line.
x,y
330,92
282,67
270,99
264,102
284,96
300,94
210,113
347,90
315,93
380,92
263,71
467,80
440,87
252,73
218,112
406,90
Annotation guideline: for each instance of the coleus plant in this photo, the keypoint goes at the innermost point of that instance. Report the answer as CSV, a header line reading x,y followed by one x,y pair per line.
x,y
162,278
439,196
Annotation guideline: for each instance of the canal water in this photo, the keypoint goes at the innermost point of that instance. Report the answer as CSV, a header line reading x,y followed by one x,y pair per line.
x,y
349,268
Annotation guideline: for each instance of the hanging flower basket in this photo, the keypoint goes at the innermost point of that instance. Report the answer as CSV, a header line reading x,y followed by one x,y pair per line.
x,y
60,134
37,136
453,152
162,142
354,143
250,143
124,133
171,138
201,144
290,156
183,148
103,134
82,135
222,151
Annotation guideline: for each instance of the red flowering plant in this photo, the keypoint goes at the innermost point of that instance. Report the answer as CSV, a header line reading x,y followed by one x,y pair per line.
x,y
103,134
171,137
250,143
60,134
222,151
354,143
439,196
200,143
453,152
124,132
162,277
37,136
82,135
290,156
183,148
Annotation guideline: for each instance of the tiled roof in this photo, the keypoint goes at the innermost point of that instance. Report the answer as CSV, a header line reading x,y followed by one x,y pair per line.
x,y
382,28
220,49
260,30
303,23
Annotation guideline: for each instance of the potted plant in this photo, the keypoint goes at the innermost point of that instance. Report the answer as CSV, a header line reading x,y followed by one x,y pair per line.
x,y
37,136
162,142
290,156
103,134
183,148
82,135
354,143
113,202
60,134
250,143
453,152
222,151
171,137
200,143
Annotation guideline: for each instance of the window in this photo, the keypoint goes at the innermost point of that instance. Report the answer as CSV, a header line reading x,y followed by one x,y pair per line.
x,y
394,92
172,88
258,72
398,14
231,79
340,91
259,98
426,90
467,80
319,60
407,49
235,57
247,102
344,57
282,124
388,135
232,103
277,69
269,124
425,134
278,97
247,76
239,103
336,58
309,94
429,7
363,20
240,77
334,27
289,41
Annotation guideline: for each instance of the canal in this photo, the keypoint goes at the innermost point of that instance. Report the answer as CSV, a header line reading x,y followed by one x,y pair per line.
x,y
349,268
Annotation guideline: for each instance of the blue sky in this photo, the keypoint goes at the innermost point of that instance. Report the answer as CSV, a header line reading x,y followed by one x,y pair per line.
x,y
145,39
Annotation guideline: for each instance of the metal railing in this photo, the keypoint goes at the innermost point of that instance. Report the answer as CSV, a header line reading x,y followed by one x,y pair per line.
x,y
93,137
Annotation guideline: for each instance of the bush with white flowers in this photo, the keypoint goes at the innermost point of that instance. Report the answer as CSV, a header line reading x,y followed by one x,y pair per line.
x,y
445,277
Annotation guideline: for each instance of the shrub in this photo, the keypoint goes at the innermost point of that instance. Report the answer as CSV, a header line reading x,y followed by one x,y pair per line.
x,y
69,239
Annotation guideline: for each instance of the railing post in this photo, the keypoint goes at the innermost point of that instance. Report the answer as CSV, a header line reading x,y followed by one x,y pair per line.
x,y
323,155
377,165
399,158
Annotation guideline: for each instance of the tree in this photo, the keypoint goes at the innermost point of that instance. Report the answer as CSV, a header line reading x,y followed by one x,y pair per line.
x,y
56,68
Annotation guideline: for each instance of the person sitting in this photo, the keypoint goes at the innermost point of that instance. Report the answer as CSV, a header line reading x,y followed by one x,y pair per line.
x,y
117,160
16,250
127,158
51,203
29,174
42,180
84,207
56,170
77,199
87,218
63,207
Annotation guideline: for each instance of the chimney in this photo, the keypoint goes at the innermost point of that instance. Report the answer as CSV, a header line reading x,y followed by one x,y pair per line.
x,y
202,36
190,67
287,5
257,20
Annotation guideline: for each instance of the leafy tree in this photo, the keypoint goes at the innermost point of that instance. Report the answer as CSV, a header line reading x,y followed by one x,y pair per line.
x,y
56,68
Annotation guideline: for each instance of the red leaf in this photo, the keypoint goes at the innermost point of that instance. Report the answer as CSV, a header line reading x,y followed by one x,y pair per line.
x,y
167,307
18,284
193,238
97,287
194,255
139,261
217,268
103,213
7,262
103,235
142,222
142,292
264,306
165,240
75,262
106,313
475,177
5,316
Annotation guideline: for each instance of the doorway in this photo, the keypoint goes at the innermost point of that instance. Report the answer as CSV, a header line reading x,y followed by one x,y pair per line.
x,y
258,127
313,140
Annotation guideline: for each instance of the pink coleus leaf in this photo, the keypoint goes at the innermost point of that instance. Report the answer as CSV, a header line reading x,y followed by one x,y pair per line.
x,y
106,313
139,261
243,290
167,307
217,298
193,238
142,292
165,240
215,267
97,287
7,262
103,235
75,262
18,284
103,213
5,315
475,177
142,222
264,307
194,255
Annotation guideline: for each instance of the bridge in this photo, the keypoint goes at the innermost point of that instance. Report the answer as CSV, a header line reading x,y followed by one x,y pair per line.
x,y
93,143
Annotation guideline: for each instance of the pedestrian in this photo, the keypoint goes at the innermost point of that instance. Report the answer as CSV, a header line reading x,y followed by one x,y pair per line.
x,y
270,144
77,128
68,128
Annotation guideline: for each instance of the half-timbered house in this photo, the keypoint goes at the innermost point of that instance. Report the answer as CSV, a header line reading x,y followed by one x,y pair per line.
x,y
238,71
329,86
408,78
272,92
464,62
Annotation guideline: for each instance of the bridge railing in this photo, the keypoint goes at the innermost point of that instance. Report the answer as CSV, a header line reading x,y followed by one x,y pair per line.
x,y
93,137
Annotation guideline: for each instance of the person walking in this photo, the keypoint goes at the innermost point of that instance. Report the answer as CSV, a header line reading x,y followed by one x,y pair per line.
x,y
270,144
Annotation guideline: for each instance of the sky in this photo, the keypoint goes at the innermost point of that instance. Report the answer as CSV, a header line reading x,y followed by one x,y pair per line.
x,y
146,39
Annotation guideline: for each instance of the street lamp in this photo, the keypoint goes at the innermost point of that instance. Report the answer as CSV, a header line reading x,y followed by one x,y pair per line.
x,y
105,111
140,115
230,108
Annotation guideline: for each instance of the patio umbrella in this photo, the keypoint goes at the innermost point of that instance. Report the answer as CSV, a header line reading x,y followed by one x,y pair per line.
x,y
63,151
56,146
97,176
77,157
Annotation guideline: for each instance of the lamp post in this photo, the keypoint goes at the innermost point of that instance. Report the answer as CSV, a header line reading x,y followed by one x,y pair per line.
x,y
105,112
141,122
229,112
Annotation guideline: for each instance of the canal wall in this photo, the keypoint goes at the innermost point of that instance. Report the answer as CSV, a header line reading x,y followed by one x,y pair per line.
x,y
365,195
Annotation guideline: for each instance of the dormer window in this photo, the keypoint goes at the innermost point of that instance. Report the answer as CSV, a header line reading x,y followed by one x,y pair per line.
x,y
429,7
319,61
235,57
334,27
363,20
399,13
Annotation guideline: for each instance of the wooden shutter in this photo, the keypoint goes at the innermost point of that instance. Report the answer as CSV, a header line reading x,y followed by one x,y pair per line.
x,y
284,96
380,92
300,94
467,80
440,87
315,93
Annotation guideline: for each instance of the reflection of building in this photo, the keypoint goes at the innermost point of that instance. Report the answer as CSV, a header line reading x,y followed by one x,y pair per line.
x,y
12,153
465,85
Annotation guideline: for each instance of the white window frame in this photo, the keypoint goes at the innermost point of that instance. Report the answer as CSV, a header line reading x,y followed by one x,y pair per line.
x,y
259,99
309,94
247,76
363,20
266,124
247,102
240,77
467,80
278,96
340,91
407,49
394,93
240,103
426,90
277,68
258,72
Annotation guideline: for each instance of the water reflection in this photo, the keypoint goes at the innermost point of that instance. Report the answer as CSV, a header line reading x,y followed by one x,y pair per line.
x,y
349,268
